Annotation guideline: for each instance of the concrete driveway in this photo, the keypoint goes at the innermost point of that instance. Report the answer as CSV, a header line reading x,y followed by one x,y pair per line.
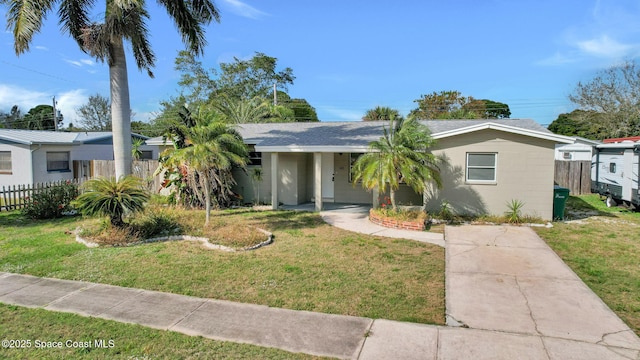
x,y
506,281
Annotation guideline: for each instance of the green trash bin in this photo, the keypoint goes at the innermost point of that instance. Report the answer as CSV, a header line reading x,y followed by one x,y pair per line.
x,y
560,196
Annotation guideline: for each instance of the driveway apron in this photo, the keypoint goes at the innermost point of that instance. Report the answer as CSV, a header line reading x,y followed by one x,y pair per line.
x,y
505,279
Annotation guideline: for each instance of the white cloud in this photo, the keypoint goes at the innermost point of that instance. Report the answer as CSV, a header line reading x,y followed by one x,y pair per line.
x,y
243,9
604,46
67,102
557,59
81,62
40,47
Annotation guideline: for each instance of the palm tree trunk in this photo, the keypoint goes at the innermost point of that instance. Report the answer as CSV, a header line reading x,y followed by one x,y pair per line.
x,y
207,200
392,196
120,110
425,197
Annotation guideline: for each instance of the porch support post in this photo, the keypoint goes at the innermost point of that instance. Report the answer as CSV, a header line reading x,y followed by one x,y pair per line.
x,y
274,180
317,183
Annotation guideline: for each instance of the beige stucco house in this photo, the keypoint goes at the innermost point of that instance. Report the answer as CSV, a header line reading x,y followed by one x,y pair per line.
x,y
488,163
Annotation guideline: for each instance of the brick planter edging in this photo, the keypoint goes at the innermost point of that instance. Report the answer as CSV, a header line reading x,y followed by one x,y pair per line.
x,y
396,224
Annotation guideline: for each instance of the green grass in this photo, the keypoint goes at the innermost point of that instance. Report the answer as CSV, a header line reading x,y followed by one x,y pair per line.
x,y
603,247
128,341
310,266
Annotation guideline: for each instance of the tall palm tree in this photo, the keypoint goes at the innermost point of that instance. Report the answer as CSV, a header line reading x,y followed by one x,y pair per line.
x,y
124,21
401,155
209,150
381,113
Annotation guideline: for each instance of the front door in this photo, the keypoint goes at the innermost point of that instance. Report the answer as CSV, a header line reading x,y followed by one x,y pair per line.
x,y
327,177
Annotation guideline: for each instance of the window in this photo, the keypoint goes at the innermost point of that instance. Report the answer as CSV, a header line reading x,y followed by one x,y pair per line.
x,y
58,161
612,168
566,155
352,160
481,167
255,157
146,155
5,162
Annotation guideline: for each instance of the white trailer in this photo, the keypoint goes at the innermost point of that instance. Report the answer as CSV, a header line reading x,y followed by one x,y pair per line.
x,y
614,172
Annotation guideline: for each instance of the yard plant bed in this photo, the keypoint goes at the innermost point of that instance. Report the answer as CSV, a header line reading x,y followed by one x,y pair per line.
x,y
384,219
310,266
602,245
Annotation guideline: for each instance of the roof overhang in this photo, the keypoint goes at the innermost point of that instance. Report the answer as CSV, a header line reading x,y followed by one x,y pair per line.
x,y
506,128
313,149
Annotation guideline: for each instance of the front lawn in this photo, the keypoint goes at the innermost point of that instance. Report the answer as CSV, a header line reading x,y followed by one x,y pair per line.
x,y
602,245
310,266
93,338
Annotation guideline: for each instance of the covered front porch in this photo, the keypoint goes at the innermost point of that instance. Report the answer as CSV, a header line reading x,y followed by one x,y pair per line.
x,y
319,178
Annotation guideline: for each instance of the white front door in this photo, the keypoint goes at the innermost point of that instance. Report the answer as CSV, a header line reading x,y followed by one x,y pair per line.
x,y
327,177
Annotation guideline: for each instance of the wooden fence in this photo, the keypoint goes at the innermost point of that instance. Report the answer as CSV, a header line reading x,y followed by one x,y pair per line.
x,y
143,169
574,175
17,196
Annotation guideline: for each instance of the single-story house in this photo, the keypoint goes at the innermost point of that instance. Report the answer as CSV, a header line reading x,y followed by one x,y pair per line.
x,y
36,156
487,164
580,150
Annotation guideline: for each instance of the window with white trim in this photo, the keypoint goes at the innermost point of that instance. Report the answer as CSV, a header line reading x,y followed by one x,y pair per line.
x,y
58,161
566,155
5,162
255,157
481,167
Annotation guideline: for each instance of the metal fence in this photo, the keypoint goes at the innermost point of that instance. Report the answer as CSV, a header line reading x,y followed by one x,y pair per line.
x,y
574,175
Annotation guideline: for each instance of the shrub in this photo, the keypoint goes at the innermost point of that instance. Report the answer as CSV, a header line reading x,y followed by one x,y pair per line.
x,y
514,212
51,203
112,198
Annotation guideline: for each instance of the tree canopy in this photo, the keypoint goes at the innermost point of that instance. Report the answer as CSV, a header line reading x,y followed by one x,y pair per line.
x,y
614,95
381,113
453,105
245,85
95,115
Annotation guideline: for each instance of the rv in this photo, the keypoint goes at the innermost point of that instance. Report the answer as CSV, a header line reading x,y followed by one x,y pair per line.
x,y
614,173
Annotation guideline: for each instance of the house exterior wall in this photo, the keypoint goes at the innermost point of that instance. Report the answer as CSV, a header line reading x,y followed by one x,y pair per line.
x,y
21,169
40,173
344,190
524,172
92,152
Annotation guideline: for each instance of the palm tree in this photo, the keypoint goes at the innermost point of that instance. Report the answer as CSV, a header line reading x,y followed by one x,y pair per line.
x,y
240,111
112,198
381,113
401,155
124,21
208,150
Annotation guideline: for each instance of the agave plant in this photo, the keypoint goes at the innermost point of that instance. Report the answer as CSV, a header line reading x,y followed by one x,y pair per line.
x,y
108,197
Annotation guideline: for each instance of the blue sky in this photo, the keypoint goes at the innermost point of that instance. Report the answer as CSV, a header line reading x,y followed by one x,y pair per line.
x,y
350,56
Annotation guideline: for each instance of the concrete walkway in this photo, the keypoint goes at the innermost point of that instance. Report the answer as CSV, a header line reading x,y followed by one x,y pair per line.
x,y
356,218
515,296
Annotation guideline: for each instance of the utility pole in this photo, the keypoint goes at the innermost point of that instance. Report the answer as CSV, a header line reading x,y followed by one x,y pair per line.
x,y
55,115
275,95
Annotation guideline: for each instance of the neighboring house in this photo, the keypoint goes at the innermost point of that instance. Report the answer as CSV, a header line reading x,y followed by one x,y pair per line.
x,y
33,156
580,150
488,163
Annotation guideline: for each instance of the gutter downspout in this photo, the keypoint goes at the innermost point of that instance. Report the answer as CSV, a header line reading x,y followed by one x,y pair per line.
x,y
597,188
31,167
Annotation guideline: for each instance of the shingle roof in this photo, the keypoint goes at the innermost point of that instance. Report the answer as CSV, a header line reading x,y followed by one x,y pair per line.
x,y
360,134
31,137
356,134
